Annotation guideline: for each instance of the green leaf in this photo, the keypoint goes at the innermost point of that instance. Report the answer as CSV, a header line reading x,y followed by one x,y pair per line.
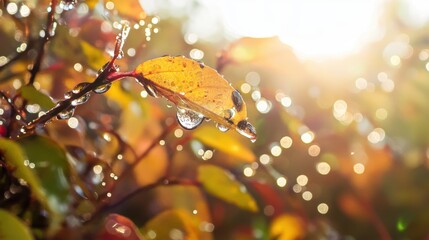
x,y
223,185
11,228
170,222
33,96
43,165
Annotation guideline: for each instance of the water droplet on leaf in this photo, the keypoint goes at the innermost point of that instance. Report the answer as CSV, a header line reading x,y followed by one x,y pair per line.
x,y
221,127
189,119
102,88
229,113
246,129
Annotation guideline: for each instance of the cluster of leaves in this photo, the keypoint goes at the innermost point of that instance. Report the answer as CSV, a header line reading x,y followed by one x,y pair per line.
x,y
118,165
59,176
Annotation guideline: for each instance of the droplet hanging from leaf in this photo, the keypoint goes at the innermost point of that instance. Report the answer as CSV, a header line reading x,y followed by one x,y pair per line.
x,y
189,119
201,89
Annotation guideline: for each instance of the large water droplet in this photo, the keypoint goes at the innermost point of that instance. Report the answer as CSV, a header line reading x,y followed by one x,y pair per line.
x,y
66,114
189,119
221,127
151,90
246,129
102,88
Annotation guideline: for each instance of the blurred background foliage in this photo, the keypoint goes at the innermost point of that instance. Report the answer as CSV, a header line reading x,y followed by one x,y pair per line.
x,y
342,149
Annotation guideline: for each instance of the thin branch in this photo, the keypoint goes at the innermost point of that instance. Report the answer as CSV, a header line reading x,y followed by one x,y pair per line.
x,y
14,108
18,55
49,32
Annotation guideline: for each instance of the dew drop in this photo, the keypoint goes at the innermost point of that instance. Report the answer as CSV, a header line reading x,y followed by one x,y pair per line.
x,y
79,87
102,88
120,55
246,129
229,113
66,114
81,100
68,94
221,127
189,119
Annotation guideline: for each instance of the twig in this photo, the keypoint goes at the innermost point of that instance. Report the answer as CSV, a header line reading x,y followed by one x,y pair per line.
x,y
18,55
49,32
107,75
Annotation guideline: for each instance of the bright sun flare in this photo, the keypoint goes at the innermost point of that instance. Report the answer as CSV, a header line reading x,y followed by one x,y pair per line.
x,y
313,28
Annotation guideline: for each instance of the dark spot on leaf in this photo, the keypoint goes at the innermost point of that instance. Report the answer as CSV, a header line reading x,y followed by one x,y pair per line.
x,y
237,100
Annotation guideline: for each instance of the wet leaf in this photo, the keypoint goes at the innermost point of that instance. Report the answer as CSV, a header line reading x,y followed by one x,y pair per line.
x,y
118,227
34,96
131,9
223,185
226,143
287,226
11,228
172,224
191,85
42,164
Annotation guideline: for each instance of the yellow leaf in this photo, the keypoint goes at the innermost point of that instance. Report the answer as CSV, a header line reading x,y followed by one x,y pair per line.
x,y
198,91
287,227
223,185
226,143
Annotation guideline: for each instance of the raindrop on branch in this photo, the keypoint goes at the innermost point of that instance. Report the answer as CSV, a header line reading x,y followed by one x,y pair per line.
x,y
189,119
66,114
102,88
81,100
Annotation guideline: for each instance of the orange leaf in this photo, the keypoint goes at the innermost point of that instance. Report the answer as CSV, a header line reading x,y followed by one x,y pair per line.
x,y
198,91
